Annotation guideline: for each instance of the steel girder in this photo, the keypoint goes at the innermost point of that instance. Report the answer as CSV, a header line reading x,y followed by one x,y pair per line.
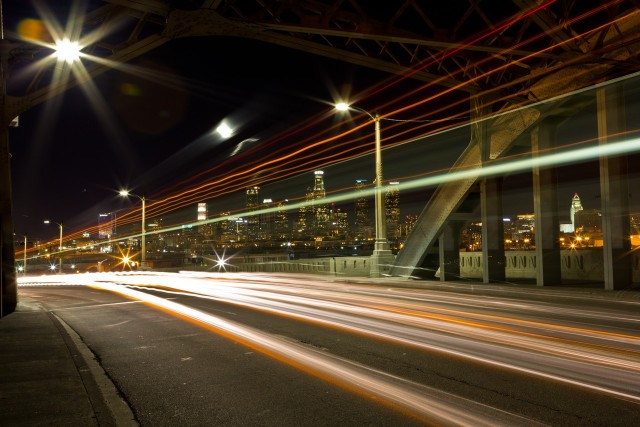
x,y
511,51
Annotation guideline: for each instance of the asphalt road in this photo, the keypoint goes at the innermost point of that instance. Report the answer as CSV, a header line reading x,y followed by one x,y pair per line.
x,y
242,350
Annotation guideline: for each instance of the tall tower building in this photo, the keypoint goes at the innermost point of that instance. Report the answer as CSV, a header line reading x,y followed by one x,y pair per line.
x,y
576,206
281,224
253,198
202,212
303,229
362,222
203,215
392,210
267,221
339,223
321,220
106,225
253,221
318,185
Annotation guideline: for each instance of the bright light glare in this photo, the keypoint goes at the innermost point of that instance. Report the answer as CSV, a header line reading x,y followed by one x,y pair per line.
x,y
224,130
67,51
221,263
123,193
342,106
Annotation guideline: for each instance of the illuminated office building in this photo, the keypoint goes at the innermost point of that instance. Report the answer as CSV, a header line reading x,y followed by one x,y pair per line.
x,y
409,222
339,223
282,230
206,230
588,221
106,225
362,221
267,221
253,221
392,210
202,212
576,206
320,209
313,216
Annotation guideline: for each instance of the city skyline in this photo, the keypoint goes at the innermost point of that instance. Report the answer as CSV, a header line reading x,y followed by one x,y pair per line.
x,y
255,199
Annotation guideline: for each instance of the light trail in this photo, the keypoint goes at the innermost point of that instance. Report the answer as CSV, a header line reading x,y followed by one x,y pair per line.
x,y
495,331
314,151
415,400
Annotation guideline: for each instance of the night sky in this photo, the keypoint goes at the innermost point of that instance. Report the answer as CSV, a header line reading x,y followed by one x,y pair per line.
x,y
69,159
158,130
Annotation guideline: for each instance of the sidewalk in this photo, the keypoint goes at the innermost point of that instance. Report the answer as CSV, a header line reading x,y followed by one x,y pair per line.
x,y
49,377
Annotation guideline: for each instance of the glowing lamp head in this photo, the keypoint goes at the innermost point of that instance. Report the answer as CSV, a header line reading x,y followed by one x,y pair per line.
x,y
67,51
124,193
342,106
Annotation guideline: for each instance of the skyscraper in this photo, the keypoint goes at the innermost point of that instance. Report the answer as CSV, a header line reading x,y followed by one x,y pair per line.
x,y
267,221
339,223
282,230
576,206
362,222
320,209
106,225
313,216
392,210
253,221
202,212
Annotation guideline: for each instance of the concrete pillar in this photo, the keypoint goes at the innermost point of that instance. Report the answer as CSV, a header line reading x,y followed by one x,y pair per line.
x,y
545,207
614,191
449,251
8,285
493,258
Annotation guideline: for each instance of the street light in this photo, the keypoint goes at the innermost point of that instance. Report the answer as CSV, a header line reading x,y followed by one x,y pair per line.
x,y
46,221
126,193
24,262
382,255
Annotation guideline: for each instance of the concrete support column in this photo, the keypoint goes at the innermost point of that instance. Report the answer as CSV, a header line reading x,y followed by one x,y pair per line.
x,y
614,190
545,207
449,251
493,258
8,285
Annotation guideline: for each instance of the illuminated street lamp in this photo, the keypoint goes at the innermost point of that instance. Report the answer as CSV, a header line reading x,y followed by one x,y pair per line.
x,y
46,221
67,51
143,257
381,253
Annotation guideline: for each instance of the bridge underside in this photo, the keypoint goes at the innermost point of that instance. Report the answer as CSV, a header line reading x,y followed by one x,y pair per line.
x,y
512,57
432,242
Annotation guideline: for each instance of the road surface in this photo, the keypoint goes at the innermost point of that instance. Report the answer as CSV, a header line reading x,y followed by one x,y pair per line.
x,y
240,349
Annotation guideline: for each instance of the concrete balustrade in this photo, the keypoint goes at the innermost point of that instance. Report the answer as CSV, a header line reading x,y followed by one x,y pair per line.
x,y
576,265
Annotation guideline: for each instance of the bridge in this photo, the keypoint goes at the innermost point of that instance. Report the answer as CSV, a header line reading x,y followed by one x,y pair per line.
x,y
511,67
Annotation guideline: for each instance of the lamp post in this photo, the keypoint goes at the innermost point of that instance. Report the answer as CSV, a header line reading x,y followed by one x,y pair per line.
x,y
46,221
143,256
382,257
10,108
24,261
